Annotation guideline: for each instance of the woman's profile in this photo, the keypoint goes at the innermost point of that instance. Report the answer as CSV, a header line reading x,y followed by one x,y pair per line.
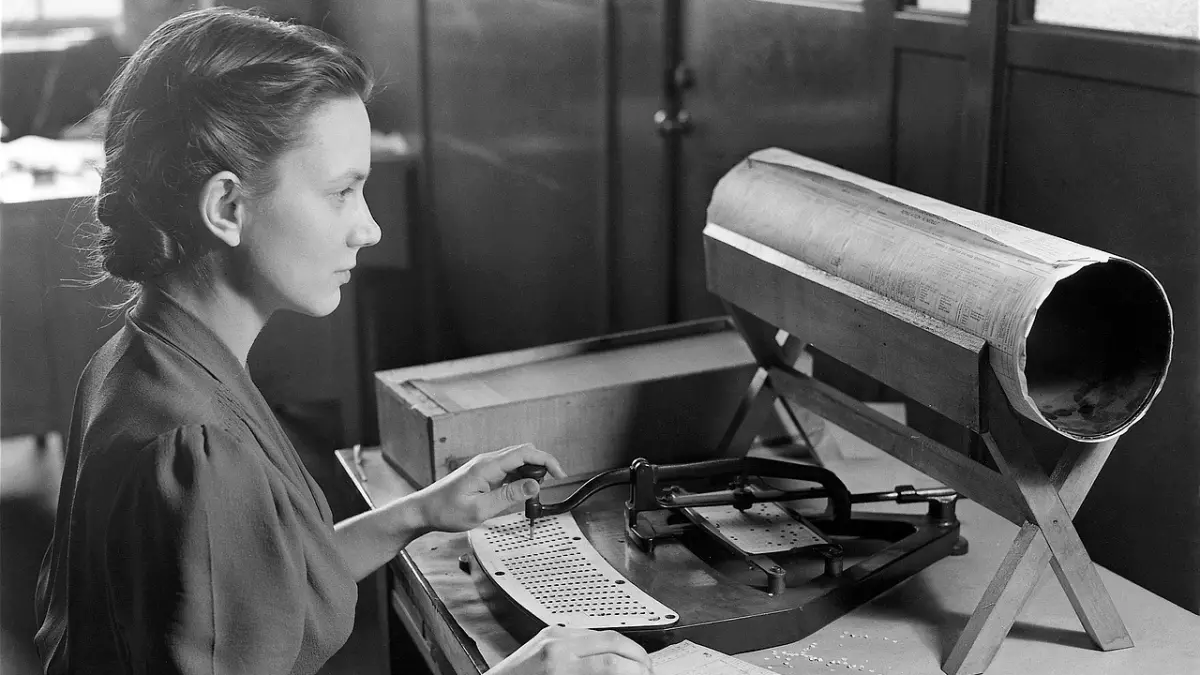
x,y
189,537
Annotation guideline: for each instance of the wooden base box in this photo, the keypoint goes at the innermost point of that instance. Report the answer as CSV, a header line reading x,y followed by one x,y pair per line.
x,y
667,394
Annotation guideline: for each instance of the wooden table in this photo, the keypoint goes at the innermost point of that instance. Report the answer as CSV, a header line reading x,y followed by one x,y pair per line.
x,y
907,630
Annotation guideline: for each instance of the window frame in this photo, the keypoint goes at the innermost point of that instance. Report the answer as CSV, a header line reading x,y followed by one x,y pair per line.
x,y
44,26
1023,16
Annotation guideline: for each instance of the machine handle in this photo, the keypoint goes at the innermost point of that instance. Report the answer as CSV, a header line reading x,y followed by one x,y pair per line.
x,y
644,481
534,471
610,478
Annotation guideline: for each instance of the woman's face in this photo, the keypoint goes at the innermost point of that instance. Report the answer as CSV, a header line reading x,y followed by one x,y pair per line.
x,y
301,239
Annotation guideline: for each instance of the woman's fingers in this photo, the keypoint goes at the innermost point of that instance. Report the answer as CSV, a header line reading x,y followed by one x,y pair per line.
x,y
513,457
558,650
611,664
611,643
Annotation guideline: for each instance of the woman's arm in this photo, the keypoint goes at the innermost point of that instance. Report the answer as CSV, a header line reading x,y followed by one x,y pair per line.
x,y
464,499
370,539
475,492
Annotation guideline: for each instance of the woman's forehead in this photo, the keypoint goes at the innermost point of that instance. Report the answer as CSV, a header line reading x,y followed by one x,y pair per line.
x,y
336,142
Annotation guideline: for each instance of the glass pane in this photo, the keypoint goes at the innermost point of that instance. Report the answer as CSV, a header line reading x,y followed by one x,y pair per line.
x,y
18,10
804,2
1176,18
81,9
952,6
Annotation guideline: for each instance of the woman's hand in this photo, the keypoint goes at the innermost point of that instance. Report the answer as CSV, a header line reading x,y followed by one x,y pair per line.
x,y
477,490
576,651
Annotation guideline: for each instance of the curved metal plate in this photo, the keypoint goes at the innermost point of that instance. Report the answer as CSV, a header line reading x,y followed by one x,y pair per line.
x,y
560,578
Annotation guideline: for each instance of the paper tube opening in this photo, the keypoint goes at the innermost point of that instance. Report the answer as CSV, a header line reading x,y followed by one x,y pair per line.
x,y
1098,349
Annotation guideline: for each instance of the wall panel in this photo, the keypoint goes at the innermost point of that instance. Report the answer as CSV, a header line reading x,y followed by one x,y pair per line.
x,y
518,170
929,104
1115,166
386,35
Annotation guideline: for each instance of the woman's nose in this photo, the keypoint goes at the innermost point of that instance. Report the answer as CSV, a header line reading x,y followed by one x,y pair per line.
x,y
366,232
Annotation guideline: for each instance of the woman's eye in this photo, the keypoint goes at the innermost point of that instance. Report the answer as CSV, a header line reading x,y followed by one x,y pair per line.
x,y
345,194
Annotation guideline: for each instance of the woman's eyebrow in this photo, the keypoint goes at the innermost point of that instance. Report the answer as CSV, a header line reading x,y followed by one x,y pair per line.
x,y
354,175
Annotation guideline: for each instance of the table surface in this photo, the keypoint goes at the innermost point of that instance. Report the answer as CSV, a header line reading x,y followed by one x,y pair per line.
x,y
908,629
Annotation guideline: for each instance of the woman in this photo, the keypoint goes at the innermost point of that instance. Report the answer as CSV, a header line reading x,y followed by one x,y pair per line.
x,y
189,538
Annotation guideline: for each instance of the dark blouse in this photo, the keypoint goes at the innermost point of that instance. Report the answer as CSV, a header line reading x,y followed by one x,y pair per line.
x,y
189,537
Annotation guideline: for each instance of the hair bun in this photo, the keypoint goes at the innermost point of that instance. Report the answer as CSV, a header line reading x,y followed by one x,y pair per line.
x,y
136,248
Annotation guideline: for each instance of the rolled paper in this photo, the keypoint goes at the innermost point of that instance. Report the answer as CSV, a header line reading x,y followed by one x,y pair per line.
x,y
1080,339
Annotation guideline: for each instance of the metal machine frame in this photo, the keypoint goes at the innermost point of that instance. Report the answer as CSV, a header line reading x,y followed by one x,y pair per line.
x,y
649,542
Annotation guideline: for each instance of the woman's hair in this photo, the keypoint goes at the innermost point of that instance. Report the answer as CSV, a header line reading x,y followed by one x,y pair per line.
x,y
208,91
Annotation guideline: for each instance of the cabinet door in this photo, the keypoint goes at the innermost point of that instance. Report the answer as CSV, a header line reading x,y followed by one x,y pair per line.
x,y
516,111
812,78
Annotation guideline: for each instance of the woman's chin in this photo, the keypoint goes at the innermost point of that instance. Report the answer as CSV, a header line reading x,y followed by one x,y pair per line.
x,y
322,307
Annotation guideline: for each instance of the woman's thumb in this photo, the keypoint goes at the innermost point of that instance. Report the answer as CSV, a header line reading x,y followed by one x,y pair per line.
x,y
511,493
529,488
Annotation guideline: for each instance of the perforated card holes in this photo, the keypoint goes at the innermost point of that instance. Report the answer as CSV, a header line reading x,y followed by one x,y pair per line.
x,y
762,528
560,578
515,536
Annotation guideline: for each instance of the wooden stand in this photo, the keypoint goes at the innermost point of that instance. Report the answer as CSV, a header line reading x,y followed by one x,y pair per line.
x,y
946,369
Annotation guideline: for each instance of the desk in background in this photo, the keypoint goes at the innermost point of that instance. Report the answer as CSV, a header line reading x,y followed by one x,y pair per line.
x,y
49,330
907,630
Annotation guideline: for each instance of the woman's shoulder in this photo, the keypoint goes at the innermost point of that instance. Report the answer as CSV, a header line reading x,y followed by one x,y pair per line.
x,y
206,476
134,390
194,456
185,469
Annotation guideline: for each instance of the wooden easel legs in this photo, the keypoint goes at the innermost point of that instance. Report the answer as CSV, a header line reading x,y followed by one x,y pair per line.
x,y
748,418
759,400
1048,536
1043,505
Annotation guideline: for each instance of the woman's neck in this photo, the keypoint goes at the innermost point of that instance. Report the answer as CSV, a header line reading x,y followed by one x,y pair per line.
x,y
234,319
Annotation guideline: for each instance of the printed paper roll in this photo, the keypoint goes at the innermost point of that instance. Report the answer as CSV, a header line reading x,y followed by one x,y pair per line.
x,y
1080,339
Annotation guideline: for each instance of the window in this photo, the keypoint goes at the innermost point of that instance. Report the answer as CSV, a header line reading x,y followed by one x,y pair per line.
x,y
58,13
948,6
1173,18
811,3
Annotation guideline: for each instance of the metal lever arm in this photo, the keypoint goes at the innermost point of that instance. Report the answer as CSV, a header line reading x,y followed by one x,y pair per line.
x,y
601,481
646,479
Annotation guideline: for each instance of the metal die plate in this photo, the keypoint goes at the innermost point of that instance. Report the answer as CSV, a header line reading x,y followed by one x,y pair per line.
x,y
761,529
559,577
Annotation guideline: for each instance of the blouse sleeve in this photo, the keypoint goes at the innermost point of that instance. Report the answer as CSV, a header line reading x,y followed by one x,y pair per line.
x,y
206,560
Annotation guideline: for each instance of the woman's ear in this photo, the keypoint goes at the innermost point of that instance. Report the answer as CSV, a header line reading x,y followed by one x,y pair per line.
x,y
223,208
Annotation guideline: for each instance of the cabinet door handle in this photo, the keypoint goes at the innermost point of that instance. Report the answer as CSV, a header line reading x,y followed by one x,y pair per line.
x,y
668,125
